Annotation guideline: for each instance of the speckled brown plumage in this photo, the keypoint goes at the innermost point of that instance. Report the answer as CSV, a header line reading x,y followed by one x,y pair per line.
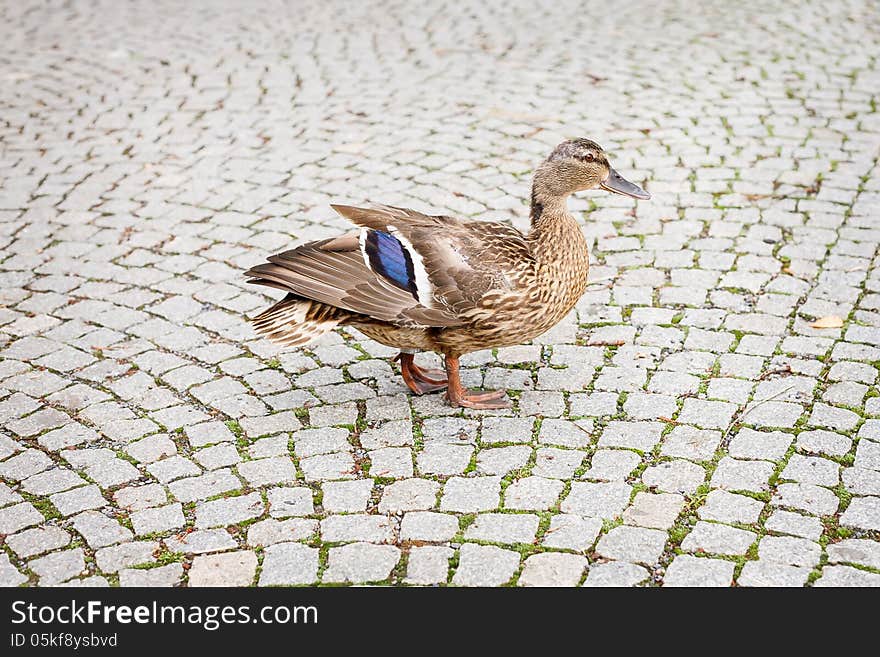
x,y
437,283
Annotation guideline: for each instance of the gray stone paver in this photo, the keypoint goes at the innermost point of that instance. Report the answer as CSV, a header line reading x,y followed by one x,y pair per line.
x,y
504,528
289,564
686,408
857,551
605,500
113,559
428,564
428,526
356,527
552,569
616,573
163,576
361,562
847,576
38,540
58,567
658,511
342,496
572,532
795,524
226,569
715,538
409,495
485,565
722,506
271,531
633,544
686,570
766,573
9,575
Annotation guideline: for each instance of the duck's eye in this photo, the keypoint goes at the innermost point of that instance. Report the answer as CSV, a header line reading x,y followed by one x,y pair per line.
x,y
588,157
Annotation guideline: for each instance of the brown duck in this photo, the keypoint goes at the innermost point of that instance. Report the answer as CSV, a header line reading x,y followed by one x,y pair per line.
x,y
434,283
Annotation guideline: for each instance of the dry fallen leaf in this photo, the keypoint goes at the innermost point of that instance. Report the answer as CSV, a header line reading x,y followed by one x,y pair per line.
x,y
831,321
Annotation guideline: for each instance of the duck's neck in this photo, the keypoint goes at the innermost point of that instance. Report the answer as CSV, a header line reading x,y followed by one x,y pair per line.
x,y
554,230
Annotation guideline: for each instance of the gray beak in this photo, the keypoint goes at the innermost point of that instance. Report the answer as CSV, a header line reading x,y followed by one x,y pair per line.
x,y
620,185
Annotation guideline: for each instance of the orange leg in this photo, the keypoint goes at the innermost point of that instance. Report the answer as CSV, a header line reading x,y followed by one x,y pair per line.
x,y
457,395
418,379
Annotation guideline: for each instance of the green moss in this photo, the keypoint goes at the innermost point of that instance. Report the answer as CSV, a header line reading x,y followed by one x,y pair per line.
x,y
677,533
843,495
165,557
844,532
43,505
610,523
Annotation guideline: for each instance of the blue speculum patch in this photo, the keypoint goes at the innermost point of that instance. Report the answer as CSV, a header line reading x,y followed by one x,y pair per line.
x,y
389,259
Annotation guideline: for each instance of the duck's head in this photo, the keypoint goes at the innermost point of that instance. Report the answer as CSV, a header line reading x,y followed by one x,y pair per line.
x,y
578,165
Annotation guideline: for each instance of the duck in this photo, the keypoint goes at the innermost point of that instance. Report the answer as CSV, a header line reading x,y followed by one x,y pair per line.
x,y
417,282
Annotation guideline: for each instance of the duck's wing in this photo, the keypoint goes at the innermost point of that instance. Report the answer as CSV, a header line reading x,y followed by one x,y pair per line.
x,y
336,272
445,263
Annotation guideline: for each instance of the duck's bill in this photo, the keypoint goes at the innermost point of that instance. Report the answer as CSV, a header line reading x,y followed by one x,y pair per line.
x,y
620,185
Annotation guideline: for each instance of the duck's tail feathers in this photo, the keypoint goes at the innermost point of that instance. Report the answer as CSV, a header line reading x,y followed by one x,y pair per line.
x,y
295,321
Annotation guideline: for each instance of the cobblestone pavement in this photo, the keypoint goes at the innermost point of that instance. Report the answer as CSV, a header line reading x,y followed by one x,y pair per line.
x,y
687,425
